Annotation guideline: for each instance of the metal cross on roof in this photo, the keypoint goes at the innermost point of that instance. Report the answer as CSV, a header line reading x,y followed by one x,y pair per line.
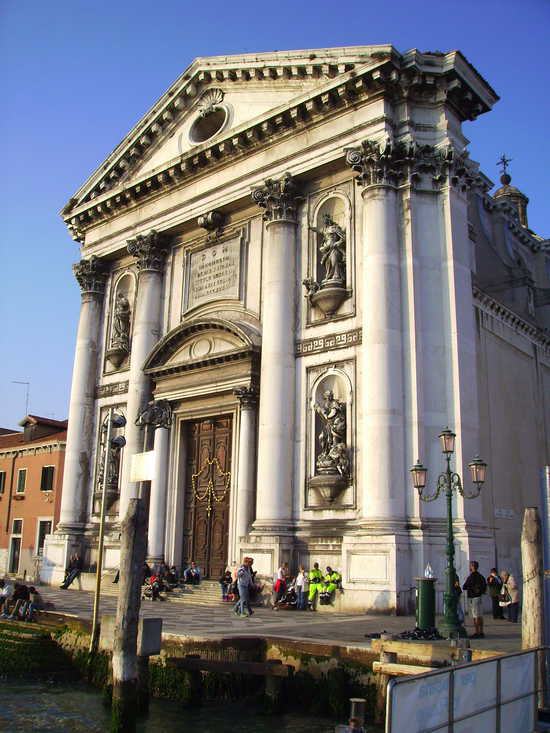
x,y
503,161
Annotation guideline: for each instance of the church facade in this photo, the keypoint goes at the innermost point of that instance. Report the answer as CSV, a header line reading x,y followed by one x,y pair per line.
x,y
294,255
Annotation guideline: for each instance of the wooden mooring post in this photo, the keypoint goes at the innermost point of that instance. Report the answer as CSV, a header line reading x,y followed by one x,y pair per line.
x,y
532,616
133,547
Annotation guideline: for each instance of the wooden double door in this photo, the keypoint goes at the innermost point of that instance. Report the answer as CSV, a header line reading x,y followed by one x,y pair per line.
x,y
207,494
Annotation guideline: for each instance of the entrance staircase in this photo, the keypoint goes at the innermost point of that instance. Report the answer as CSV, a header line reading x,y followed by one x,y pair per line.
x,y
207,593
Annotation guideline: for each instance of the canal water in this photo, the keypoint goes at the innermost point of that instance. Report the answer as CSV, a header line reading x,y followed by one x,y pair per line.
x,y
57,708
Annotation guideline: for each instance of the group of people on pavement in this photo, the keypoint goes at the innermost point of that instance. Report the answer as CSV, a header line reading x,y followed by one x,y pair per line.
x,y
313,586
503,591
18,601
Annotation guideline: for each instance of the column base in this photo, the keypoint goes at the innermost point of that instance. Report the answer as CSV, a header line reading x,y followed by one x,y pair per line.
x,y
450,630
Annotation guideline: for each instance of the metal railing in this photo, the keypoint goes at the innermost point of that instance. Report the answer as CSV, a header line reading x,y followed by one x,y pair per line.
x,y
438,701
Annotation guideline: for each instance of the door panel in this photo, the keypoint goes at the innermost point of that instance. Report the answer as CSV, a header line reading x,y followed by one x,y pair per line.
x,y
208,483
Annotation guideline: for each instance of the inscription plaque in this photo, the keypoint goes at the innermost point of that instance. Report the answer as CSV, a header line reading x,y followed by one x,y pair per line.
x,y
214,273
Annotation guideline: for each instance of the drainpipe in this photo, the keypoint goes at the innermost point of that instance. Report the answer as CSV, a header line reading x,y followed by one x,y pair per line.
x,y
15,457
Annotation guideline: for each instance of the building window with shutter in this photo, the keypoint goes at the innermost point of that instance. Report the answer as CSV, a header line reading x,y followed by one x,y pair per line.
x,y
21,480
2,481
46,480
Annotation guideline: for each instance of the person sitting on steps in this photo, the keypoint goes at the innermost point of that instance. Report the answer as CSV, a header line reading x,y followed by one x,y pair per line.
x,y
73,571
192,574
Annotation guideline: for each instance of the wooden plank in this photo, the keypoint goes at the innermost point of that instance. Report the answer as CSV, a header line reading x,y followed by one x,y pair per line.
x,y
400,670
273,668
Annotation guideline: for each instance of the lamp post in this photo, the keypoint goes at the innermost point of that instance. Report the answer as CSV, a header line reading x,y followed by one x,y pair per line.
x,y
113,420
449,482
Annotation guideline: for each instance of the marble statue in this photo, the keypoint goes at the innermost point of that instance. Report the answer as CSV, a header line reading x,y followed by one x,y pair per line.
x,y
333,251
121,322
333,456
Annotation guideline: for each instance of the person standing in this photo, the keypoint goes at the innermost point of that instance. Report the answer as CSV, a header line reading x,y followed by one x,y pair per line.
x,y
280,584
511,591
301,588
475,587
244,583
494,584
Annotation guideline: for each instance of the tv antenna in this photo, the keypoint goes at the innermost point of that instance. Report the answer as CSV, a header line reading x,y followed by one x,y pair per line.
x,y
28,385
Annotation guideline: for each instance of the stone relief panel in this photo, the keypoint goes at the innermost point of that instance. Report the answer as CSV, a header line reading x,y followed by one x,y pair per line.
x,y
215,272
117,352
328,284
330,437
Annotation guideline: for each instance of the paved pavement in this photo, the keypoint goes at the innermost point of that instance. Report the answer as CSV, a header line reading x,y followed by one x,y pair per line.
x,y
218,621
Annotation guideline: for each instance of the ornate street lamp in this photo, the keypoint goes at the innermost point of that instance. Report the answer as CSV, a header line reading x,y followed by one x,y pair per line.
x,y
448,481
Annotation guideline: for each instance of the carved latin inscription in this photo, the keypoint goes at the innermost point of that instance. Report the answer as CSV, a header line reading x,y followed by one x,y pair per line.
x,y
214,273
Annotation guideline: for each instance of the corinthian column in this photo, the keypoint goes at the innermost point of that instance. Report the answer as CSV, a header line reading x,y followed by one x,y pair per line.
x,y
91,277
150,252
248,399
279,198
380,167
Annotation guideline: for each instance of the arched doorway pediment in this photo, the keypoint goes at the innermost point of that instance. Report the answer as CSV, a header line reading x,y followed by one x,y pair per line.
x,y
196,343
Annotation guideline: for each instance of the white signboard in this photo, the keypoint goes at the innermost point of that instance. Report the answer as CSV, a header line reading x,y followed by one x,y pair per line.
x,y
419,704
142,466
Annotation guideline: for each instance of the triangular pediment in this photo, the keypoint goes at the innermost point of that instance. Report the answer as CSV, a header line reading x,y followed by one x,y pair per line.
x,y
239,89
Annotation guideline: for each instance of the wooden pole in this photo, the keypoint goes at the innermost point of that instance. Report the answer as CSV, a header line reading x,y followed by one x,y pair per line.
x,y
532,616
133,547
94,639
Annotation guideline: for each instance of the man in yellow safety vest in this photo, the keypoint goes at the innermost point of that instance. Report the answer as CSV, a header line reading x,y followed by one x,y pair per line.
x,y
315,585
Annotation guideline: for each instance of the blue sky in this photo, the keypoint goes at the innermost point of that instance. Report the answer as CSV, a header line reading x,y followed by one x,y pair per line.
x,y
76,76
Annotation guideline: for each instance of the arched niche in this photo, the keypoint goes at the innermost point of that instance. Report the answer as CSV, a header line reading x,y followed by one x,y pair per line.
x,y
120,321
329,280
330,434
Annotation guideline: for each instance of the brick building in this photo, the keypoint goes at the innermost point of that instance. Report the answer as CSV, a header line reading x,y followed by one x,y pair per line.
x,y
31,476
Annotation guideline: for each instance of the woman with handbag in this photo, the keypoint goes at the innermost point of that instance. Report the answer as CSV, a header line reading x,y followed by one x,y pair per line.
x,y
510,593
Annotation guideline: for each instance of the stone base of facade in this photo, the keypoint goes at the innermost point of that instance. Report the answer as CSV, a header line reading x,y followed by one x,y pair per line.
x,y
379,562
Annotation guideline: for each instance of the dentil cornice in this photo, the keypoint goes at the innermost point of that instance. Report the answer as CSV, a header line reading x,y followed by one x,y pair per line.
x,y
346,77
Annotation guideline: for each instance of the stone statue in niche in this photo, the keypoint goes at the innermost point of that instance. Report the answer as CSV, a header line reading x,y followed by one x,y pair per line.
x,y
330,292
332,438
332,462
120,339
333,252
121,323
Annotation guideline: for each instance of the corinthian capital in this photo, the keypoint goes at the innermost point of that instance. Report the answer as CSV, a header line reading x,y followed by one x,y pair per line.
x,y
279,197
381,163
247,396
149,249
91,275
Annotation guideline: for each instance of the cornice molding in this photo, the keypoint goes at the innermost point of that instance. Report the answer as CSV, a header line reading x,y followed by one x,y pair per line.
x,y
423,76
511,217
518,324
47,448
